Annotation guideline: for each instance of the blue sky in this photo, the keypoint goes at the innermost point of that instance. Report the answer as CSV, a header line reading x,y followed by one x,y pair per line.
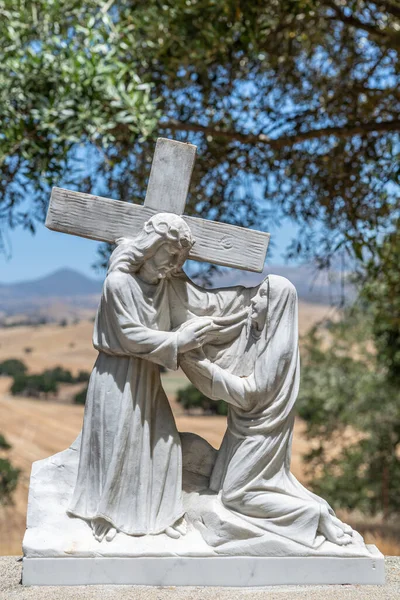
x,y
32,256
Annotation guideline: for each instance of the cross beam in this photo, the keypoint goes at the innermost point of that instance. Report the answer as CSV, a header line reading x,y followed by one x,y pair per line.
x,y
106,220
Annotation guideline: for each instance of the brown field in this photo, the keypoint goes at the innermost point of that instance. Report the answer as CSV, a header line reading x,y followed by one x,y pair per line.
x,y
71,346
39,428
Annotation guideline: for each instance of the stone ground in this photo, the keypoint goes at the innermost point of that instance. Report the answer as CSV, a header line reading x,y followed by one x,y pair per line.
x,y
11,589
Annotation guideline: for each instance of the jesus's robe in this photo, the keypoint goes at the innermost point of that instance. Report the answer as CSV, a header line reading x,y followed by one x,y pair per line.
x,y
130,459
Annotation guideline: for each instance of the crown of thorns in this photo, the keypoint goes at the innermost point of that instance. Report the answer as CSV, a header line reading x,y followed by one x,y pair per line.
x,y
177,233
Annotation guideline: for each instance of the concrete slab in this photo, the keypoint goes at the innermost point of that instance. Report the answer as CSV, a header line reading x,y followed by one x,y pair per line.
x,y
224,571
11,589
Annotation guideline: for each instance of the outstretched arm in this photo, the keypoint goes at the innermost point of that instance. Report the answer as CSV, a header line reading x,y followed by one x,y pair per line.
x,y
217,383
118,328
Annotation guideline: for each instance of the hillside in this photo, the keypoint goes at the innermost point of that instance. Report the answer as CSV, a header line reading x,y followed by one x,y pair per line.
x,y
63,294
66,293
60,283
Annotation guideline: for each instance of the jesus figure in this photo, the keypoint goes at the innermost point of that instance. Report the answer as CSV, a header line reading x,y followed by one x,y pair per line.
x,y
130,467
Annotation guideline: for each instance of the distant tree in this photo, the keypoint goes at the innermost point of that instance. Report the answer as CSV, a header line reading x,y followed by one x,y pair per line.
x,y
8,475
59,374
80,397
190,397
82,376
63,323
351,407
4,445
45,383
33,385
12,367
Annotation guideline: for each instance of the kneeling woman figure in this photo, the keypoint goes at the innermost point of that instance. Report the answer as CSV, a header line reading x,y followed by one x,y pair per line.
x,y
252,471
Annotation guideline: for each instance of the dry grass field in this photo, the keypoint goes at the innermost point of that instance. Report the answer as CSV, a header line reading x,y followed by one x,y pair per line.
x,y
39,428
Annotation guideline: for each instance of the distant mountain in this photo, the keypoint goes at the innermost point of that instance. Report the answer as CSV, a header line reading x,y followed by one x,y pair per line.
x,y
61,283
64,292
70,293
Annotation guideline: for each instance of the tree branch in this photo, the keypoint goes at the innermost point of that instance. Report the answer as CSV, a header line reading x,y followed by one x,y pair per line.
x,y
390,7
353,21
289,140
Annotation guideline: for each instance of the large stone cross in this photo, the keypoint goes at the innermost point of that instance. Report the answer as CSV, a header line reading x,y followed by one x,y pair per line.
x,y
106,220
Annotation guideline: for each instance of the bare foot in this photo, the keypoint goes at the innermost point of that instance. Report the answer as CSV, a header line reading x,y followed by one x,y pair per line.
x,y
172,533
111,534
346,528
333,532
101,529
177,529
181,526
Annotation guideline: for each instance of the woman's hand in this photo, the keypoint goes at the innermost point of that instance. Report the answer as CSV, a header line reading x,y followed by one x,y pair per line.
x,y
192,334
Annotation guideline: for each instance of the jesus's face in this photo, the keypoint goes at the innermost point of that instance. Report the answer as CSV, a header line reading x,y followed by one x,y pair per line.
x,y
158,266
165,259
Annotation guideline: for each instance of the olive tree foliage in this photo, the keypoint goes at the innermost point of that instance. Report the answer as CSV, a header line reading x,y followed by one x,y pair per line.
x,y
294,106
350,394
9,474
351,408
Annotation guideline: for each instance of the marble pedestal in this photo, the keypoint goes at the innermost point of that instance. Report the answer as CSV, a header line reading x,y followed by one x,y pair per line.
x,y
232,571
60,550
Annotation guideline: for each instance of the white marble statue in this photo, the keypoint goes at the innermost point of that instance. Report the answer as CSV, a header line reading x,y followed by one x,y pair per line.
x,y
131,486
130,468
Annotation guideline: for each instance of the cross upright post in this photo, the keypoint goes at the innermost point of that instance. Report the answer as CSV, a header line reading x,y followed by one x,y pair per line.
x,y
106,220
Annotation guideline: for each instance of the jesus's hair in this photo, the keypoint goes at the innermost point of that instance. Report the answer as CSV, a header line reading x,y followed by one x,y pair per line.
x,y
163,228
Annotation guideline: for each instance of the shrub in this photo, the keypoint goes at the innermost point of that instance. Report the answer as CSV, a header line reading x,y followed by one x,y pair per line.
x,y
4,445
12,367
8,475
59,374
80,397
33,385
82,377
8,480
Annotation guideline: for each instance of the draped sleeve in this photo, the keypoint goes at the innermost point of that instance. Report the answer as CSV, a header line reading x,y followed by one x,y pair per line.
x,y
219,384
238,391
119,330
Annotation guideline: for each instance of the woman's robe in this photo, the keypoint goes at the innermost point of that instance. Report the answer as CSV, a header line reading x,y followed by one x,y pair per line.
x,y
252,471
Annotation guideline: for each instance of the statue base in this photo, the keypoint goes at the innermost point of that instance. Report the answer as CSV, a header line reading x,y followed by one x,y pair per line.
x,y
61,550
230,571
